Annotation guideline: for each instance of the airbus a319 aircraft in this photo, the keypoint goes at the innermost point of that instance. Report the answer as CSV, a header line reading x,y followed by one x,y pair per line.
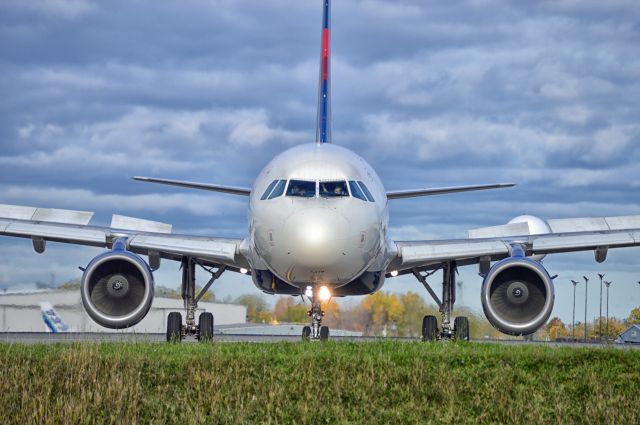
x,y
318,220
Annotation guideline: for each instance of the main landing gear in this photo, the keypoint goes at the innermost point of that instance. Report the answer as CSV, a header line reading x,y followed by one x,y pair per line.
x,y
460,329
203,331
316,332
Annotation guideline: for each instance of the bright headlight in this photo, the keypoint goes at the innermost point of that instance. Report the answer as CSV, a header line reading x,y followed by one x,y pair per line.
x,y
324,293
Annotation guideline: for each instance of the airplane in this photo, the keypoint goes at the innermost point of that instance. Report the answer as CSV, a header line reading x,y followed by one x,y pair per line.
x,y
318,228
52,321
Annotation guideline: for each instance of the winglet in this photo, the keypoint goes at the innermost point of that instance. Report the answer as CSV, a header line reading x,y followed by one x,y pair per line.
x,y
323,132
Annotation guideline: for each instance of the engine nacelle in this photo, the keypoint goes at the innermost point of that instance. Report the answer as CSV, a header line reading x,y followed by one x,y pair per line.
x,y
517,296
537,226
117,289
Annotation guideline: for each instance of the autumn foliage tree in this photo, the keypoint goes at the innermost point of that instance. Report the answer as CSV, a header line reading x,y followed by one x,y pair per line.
x,y
634,317
382,313
258,310
556,329
290,310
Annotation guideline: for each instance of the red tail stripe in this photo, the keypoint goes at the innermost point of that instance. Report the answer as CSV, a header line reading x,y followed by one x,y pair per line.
x,y
325,54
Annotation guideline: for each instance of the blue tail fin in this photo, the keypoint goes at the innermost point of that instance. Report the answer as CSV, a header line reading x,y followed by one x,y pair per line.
x,y
323,132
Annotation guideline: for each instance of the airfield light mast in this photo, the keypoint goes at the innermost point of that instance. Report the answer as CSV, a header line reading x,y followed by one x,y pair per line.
x,y
573,324
586,291
601,275
607,284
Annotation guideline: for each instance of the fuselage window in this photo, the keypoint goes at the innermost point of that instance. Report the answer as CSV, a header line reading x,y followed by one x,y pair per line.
x,y
302,188
266,193
356,192
333,189
365,189
278,190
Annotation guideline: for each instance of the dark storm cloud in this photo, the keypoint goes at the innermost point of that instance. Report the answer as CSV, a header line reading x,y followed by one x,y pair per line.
x,y
541,93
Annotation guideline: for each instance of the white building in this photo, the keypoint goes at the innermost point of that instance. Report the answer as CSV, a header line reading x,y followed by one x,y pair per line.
x,y
20,312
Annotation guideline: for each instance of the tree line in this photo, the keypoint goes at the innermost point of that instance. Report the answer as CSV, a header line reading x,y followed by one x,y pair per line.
x,y
390,314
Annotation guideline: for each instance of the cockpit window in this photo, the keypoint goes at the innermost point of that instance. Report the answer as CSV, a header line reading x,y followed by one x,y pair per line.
x,y
278,190
302,188
356,192
365,189
333,189
266,193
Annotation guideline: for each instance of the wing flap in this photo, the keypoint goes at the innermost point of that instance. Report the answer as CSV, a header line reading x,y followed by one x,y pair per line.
x,y
138,224
569,225
49,215
502,231
594,224
562,243
624,222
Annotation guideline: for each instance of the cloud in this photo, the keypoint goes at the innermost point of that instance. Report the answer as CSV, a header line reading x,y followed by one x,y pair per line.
x,y
203,204
67,9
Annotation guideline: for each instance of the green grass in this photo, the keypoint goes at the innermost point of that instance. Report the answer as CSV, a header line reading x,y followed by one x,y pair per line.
x,y
381,382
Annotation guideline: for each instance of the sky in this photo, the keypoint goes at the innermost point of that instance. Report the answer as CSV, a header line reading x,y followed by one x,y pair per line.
x,y
540,93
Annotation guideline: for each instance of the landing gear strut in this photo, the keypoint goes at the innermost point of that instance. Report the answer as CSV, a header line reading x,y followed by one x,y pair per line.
x,y
316,331
460,329
203,331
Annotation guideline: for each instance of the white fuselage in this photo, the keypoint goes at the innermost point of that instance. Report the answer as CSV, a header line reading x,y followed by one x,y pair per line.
x,y
316,239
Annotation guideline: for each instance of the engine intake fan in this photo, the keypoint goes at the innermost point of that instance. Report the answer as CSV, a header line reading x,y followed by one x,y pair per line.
x,y
117,289
517,296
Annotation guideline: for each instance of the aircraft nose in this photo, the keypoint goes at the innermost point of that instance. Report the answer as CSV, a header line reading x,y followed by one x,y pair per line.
x,y
316,237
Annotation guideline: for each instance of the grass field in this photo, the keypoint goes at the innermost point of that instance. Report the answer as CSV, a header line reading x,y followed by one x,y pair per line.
x,y
386,382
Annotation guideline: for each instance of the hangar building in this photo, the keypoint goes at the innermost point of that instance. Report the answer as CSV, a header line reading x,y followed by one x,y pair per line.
x,y
20,312
630,336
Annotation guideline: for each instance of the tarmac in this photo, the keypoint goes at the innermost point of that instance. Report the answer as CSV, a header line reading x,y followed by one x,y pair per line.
x,y
128,337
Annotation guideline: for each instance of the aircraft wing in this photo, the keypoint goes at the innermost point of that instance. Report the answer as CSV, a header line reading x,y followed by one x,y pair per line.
x,y
233,190
495,243
144,237
412,193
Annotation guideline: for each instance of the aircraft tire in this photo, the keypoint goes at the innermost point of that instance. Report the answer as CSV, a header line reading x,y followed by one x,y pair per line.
x,y
174,327
324,333
205,325
429,328
306,333
461,328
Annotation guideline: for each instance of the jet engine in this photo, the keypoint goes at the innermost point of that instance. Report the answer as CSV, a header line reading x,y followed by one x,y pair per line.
x,y
517,296
117,289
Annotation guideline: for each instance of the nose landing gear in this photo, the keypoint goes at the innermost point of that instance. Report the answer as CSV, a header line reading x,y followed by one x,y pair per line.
x,y
316,332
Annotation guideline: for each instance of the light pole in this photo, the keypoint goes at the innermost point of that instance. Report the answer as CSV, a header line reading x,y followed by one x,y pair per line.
x,y
607,284
600,316
586,290
573,320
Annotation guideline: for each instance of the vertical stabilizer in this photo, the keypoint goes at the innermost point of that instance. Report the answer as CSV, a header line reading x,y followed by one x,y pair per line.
x,y
52,320
323,132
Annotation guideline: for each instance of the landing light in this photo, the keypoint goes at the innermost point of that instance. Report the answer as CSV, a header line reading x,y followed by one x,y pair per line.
x,y
309,291
324,293
394,273
244,271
